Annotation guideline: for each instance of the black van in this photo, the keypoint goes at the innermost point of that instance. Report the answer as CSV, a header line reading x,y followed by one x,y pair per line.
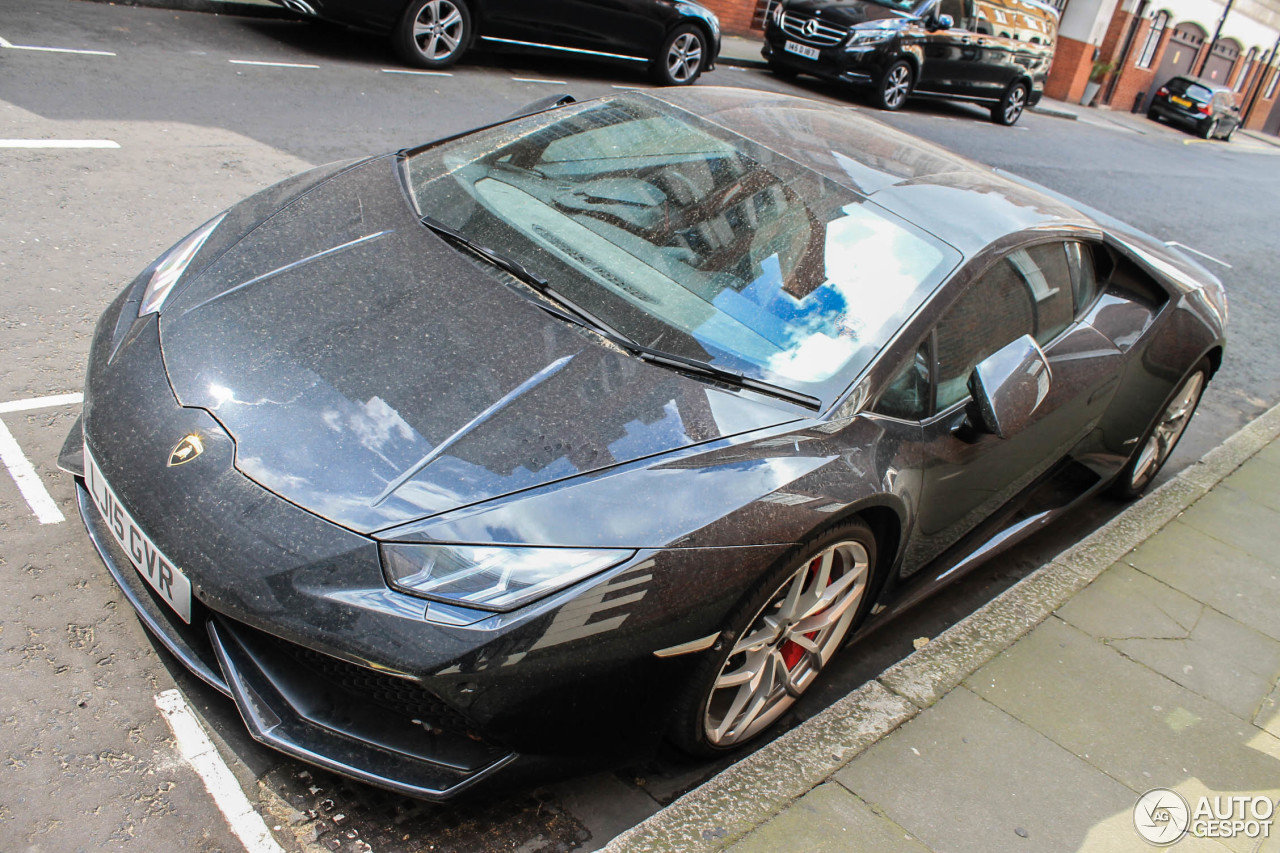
x,y
992,52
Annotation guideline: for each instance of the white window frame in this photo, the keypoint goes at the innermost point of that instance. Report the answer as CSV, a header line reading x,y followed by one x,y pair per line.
x,y
1152,43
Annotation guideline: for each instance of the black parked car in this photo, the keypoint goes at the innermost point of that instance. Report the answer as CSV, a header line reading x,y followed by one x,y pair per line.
x,y
609,422
992,52
1206,108
676,39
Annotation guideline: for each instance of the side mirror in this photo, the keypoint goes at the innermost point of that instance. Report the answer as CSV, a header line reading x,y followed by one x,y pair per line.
x,y
940,22
1008,386
541,106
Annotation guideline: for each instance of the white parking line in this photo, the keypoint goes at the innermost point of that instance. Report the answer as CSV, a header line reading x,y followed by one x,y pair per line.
x,y
200,753
29,483
1198,252
41,403
540,80
11,46
58,143
421,73
270,64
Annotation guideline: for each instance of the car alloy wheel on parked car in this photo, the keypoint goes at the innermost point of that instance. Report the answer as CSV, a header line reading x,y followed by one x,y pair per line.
x,y
682,57
1010,108
895,86
433,33
761,666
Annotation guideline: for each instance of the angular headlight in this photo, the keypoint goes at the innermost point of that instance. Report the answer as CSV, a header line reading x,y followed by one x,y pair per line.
x,y
173,265
491,577
870,35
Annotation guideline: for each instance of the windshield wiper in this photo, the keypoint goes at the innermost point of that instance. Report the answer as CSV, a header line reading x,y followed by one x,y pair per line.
x,y
498,259
732,377
559,305
568,310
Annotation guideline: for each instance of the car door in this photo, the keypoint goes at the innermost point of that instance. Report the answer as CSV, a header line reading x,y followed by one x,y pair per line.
x,y
621,27
953,57
966,476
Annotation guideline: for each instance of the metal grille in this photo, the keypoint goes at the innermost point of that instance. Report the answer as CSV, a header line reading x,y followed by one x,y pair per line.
x,y
388,691
823,33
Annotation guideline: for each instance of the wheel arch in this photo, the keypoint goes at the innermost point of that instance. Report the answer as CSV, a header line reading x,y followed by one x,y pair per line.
x,y
886,515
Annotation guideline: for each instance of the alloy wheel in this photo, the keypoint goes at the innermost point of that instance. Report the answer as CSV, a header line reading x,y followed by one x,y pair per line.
x,y
787,643
684,59
438,30
896,86
1014,104
1167,431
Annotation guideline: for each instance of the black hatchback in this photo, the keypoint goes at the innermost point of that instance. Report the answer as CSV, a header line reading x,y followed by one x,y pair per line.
x,y
1197,105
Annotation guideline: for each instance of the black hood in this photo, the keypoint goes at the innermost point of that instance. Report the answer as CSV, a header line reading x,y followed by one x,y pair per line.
x,y
845,13
373,375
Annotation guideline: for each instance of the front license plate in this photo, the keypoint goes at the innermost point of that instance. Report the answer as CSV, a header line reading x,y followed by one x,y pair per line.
x,y
1182,102
156,569
801,50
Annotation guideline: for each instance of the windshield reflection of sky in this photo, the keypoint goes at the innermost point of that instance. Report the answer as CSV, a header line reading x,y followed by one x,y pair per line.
x,y
872,265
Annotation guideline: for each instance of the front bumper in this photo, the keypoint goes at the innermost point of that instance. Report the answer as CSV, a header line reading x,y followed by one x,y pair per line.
x,y
859,67
336,722
291,616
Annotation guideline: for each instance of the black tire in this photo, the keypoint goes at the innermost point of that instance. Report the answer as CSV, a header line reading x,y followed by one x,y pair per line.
x,y
682,57
1230,133
1210,129
433,33
793,578
894,86
1011,106
1158,442
1153,115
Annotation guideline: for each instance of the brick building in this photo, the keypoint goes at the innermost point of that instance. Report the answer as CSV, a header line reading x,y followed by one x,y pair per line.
x,y
1136,45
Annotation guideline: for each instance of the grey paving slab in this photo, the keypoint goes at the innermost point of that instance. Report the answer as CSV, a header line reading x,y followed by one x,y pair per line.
x,y
966,776
1220,575
1269,454
829,819
1222,660
1123,602
1234,517
1259,480
933,670
1130,722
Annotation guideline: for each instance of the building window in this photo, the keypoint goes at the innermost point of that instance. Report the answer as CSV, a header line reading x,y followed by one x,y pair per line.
x,y
1153,39
1245,67
1271,87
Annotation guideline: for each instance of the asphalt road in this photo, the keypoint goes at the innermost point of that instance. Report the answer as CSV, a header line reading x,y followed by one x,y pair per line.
x,y
89,762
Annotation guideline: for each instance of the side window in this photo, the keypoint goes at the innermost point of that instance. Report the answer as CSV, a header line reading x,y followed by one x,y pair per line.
x,y
1084,275
1045,271
995,310
907,394
961,12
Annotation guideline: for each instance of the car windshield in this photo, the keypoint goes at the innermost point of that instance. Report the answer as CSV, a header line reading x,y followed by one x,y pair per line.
x,y
1194,91
688,238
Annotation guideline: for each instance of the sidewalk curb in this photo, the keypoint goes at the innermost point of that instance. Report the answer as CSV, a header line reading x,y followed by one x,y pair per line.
x,y
1055,112
741,62
215,7
738,799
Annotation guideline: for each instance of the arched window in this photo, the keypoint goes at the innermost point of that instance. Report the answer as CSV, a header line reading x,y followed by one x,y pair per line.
x,y
1149,46
1243,73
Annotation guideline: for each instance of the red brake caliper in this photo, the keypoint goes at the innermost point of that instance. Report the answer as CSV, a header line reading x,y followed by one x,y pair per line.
x,y
793,652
